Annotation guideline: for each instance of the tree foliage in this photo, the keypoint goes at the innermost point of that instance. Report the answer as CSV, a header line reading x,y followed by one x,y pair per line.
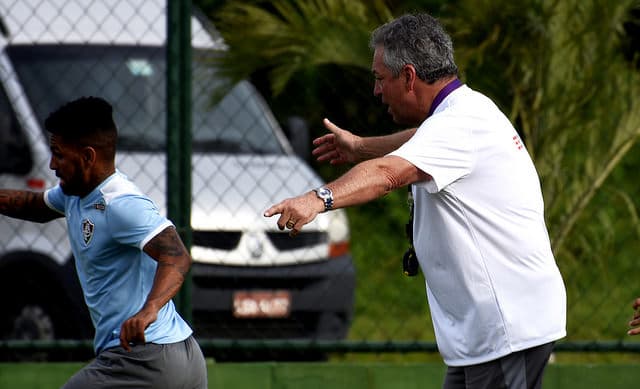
x,y
563,72
311,58
563,79
289,37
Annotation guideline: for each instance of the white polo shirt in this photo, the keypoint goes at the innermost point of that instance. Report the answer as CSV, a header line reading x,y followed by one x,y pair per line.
x,y
479,232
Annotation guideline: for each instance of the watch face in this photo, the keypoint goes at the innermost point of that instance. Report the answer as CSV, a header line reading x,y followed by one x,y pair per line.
x,y
324,192
326,196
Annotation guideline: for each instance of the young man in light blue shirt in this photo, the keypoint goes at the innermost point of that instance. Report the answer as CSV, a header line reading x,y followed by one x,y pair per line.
x,y
129,258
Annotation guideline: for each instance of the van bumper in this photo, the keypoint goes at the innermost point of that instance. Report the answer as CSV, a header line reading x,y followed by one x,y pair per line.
x,y
321,300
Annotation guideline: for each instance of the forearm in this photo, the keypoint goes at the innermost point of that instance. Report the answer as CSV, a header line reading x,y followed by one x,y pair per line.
x,y
26,205
366,181
372,179
166,284
379,146
173,265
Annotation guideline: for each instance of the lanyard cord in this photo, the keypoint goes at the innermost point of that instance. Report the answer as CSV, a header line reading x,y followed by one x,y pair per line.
x,y
410,264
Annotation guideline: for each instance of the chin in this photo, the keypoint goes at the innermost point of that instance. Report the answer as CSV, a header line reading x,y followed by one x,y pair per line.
x,y
68,191
396,118
402,121
412,122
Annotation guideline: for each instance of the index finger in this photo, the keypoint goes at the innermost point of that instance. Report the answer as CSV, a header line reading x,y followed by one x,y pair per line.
x,y
273,210
123,339
326,138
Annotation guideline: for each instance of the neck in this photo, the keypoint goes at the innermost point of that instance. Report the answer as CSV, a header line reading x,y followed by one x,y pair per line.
x,y
98,176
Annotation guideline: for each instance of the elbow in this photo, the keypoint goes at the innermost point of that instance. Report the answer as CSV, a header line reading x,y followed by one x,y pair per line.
x,y
391,182
185,265
397,173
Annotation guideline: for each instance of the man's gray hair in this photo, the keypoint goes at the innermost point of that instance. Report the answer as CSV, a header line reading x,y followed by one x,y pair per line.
x,y
418,40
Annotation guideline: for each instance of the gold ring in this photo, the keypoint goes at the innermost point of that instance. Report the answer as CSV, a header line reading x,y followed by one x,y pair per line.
x,y
290,224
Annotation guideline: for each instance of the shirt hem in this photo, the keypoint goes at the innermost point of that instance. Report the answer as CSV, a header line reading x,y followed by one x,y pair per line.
x,y
512,348
116,343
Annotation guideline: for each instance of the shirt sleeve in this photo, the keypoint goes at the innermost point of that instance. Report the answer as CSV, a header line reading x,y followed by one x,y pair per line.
x,y
134,220
441,147
55,199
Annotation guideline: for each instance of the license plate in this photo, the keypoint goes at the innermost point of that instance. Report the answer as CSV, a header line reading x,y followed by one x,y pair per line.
x,y
261,304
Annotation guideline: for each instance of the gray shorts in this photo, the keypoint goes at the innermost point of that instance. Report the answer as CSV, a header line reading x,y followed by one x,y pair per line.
x,y
158,366
519,370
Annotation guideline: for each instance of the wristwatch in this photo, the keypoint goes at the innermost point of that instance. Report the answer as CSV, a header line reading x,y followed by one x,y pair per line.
x,y
326,196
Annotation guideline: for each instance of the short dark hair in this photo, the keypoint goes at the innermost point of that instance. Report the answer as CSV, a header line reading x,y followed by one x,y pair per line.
x,y
87,121
418,40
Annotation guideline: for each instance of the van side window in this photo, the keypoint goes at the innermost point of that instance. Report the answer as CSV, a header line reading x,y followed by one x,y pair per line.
x,y
14,148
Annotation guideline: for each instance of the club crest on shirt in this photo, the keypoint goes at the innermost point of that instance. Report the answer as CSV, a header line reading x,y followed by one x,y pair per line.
x,y
87,231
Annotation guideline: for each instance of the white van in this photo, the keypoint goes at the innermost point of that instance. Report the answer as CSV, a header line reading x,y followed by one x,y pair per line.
x,y
250,280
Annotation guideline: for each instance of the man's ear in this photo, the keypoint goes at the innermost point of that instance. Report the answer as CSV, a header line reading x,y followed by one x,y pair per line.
x,y
409,75
89,155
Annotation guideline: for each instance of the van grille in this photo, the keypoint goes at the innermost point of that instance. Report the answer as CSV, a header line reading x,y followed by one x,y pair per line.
x,y
228,240
283,242
285,281
222,240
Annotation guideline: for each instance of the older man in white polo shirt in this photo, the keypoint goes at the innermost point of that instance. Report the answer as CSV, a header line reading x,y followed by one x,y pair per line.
x,y
497,298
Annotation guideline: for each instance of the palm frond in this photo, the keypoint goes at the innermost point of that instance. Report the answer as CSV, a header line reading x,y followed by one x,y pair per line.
x,y
287,37
564,82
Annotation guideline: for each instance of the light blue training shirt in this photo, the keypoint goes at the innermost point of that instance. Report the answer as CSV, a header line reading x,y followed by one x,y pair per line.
x,y
108,229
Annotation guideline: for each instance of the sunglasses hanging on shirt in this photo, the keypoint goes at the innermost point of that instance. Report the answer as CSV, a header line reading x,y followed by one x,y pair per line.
x,y
410,265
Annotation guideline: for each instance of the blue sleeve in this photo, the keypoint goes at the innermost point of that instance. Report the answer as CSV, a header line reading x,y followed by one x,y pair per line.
x,y
55,199
134,220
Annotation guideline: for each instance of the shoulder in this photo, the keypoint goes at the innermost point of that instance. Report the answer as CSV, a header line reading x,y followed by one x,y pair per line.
x,y
465,109
125,203
470,101
55,199
119,187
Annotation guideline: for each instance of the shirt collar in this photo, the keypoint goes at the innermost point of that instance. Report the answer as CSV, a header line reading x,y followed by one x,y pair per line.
x,y
444,92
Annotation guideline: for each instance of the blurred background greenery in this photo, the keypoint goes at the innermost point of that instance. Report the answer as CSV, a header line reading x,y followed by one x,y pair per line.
x,y
566,72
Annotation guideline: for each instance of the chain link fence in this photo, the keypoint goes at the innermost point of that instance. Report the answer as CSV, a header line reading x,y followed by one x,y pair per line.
x,y
255,292
249,280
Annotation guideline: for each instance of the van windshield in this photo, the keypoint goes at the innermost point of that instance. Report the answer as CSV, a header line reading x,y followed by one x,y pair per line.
x,y
132,78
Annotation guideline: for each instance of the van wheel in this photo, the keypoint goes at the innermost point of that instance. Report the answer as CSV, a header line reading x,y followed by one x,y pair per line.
x,y
332,325
33,323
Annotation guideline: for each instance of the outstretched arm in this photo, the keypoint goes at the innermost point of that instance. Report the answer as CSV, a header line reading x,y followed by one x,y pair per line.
x,y
366,181
173,265
341,146
26,205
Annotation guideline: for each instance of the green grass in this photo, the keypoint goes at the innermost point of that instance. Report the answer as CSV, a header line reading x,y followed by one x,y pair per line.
x,y
36,375
397,375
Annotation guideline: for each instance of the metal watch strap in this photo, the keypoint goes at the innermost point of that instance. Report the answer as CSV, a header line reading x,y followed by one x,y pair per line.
x,y
326,196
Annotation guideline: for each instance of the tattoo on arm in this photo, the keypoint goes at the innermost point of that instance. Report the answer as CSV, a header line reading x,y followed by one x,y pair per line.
x,y
26,205
173,265
168,250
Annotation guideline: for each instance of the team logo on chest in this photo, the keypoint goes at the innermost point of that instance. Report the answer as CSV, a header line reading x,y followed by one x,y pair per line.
x,y
87,231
